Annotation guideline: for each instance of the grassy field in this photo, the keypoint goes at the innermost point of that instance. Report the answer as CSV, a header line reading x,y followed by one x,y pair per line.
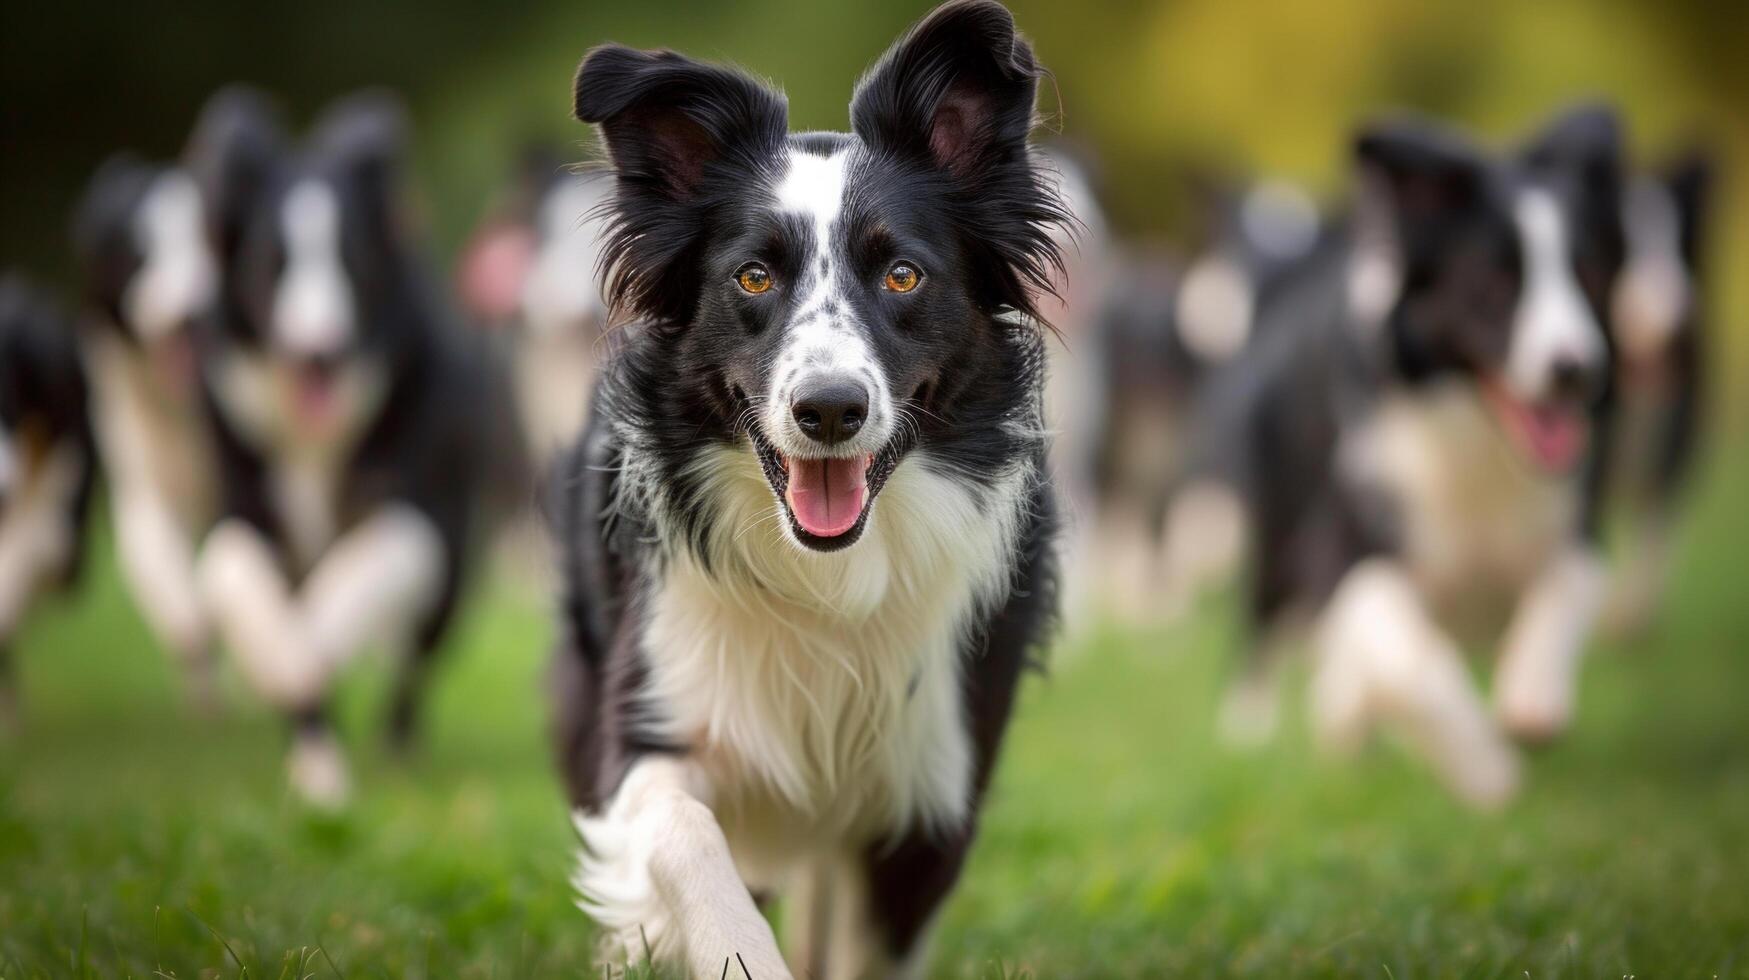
x,y
1120,841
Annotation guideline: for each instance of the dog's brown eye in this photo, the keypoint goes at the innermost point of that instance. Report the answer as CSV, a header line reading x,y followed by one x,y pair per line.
x,y
754,278
903,278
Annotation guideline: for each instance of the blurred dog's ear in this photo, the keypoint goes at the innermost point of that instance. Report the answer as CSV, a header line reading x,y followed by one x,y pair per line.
x,y
666,118
1586,137
234,155
1420,171
1690,181
958,90
366,132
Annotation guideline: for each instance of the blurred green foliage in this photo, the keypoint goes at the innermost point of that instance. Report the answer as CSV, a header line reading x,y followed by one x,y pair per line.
x,y
1154,90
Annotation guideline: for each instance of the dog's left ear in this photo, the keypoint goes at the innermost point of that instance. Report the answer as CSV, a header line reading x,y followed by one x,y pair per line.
x,y
363,137
1690,181
957,90
1586,141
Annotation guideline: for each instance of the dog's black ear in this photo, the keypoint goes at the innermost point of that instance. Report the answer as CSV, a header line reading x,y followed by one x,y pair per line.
x,y
666,118
1422,171
234,155
1689,179
958,89
366,131
361,140
1586,138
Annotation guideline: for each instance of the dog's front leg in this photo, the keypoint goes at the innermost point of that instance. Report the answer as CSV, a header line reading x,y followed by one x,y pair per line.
x,y
372,585
158,561
657,874
1382,659
1538,670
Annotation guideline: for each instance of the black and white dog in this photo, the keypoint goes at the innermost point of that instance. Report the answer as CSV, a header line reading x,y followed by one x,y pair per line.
x,y
149,277
1661,343
46,460
807,533
351,414
1417,442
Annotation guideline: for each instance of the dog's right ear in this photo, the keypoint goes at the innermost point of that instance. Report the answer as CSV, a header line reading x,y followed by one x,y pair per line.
x,y
666,118
1420,173
233,155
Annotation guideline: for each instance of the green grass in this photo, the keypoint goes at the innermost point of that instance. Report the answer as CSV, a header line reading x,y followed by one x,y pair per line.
x,y
1120,840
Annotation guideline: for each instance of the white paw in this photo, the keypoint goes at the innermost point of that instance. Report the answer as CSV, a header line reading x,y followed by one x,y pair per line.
x,y
1532,707
317,771
1250,713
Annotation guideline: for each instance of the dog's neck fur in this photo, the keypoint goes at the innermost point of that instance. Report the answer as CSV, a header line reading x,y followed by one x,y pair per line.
x,y
824,687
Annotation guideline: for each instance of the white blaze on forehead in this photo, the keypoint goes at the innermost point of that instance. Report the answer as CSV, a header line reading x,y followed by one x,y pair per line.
x,y
1216,303
176,276
822,337
1553,323
313,311
1654,291
563,292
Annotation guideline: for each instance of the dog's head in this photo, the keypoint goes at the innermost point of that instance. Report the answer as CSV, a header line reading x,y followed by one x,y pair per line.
x,y
148,273
317,277
1657,299
1502,267
1255,234
831,302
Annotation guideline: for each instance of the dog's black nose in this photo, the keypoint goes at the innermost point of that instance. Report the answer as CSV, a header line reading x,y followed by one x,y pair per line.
x,y
1573,379
831,410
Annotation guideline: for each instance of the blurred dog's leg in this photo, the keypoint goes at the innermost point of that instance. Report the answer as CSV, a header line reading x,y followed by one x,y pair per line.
x,y
656,869
373,585
1382,660
159,566
1205,541
1638,587
35,536
252,608
1534,682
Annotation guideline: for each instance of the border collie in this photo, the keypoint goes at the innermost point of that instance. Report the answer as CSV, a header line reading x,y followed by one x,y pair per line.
x,y
1660,324
519,273
148,277
351,416
807,531
46,461
1417,441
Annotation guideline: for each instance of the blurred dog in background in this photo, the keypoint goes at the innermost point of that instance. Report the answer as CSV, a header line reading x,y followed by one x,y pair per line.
x,y
353,416
47,461
1164,328
531,270
148,280
1413,441
1660,333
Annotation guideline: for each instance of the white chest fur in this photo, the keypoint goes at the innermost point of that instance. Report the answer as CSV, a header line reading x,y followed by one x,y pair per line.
x,y
820,693
1474,511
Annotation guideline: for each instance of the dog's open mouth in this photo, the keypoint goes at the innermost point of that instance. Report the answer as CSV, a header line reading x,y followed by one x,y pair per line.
x,y
1554,434
827,500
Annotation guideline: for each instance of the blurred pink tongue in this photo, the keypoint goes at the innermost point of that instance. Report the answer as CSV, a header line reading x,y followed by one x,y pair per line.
x,y
826,495
1556,436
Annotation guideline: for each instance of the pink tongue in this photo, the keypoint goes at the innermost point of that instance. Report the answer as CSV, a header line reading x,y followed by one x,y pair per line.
x,y
826,495
1557,437
313,392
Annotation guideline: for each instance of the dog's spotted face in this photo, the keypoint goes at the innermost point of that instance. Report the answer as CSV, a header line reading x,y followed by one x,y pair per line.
x,y
313,262
830,302
1506,268
148,273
